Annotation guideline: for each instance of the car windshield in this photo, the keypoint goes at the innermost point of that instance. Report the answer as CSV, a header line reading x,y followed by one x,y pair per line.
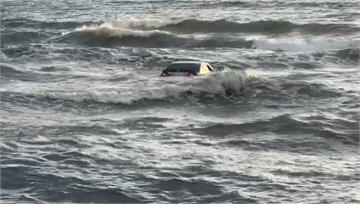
x,y
183,67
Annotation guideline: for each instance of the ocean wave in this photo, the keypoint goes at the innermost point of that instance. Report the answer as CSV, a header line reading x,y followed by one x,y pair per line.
x,y
109,30
263,26
174,32
351,54
107,34
192,25
75,188
288,87
266,4
222,83
30,23
340,56
228,4
21,37
227,84
321,4
286,124
10,72
307,44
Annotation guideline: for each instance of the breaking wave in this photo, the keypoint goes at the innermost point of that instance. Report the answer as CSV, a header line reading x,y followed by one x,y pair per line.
x,y
225,84
264,26
179,32
107,34
222,25
109,30
222,83
308,44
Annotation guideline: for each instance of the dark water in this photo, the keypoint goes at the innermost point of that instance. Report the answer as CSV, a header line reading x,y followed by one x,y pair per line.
x,y
85,117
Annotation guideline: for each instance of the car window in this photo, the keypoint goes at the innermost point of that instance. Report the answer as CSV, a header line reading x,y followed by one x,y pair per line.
x,y
210,69
171,69
183,67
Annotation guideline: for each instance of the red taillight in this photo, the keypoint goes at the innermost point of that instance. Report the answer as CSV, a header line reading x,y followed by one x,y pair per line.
x,y
165,74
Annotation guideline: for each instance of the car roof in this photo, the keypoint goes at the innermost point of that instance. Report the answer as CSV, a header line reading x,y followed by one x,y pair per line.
x,y
184,66
187,62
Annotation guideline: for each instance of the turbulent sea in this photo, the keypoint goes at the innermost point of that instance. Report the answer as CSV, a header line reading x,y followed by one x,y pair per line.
x,y
85,117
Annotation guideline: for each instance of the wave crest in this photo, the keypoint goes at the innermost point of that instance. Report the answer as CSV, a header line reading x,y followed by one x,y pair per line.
x,y
109,30
180,32
191,25
262,26
222,83
108,34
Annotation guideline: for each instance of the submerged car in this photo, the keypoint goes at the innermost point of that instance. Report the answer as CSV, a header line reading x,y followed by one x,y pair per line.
x,y
184,68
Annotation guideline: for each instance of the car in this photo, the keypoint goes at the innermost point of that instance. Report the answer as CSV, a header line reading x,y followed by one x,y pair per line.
x,y
187,68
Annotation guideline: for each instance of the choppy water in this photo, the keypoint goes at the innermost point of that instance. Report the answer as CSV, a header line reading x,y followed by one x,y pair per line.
x,y
85,117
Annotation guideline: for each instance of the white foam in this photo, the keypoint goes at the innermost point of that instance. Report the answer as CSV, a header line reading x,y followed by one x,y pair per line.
x,y
306,44
149,88
217,83
110,30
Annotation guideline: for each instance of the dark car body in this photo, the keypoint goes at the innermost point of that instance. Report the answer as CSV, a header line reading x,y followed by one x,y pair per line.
x,y
184,68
